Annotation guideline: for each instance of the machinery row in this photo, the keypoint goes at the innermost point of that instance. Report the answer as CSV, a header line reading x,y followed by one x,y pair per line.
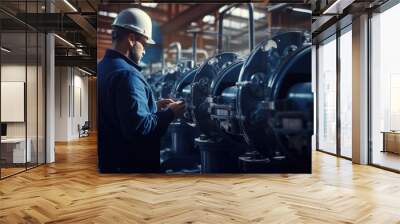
x,y
244,115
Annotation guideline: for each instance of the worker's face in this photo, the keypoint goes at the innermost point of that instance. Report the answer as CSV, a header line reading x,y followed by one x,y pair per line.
x,y
137,44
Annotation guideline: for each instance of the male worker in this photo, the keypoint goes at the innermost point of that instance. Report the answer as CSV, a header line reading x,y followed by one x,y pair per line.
x,y
131,123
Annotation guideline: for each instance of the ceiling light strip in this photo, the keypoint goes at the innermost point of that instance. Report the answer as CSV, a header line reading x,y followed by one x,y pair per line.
x,y
5,49
71,6
65,41
84,71
302,10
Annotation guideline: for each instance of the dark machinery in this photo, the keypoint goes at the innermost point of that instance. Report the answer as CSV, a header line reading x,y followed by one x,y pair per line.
x,y
265,102
218,151
163,85
251,115
169,80
177,152
275,105
211,94
163,82
155,81
181,156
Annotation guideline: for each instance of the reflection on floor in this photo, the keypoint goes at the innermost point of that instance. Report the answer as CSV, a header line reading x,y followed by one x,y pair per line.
x,y
386,159
10,171
346,152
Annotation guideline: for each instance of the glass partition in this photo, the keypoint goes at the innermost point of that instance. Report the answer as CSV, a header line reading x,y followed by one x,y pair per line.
x,y
15,150
41,96
32,96
22,89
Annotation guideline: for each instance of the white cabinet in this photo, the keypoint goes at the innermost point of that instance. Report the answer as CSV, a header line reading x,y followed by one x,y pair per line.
x,y
13,150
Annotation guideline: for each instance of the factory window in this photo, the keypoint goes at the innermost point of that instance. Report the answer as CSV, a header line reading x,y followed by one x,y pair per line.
x,y
327,96
385,89
345,91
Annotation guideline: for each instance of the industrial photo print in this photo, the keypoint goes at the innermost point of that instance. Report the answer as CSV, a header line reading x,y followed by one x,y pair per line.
x,y
228,93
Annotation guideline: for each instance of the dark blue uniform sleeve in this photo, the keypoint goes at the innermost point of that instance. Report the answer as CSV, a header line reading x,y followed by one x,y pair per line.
x,y
134,114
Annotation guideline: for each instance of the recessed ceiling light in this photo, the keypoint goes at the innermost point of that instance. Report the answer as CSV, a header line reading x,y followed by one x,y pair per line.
x,y
150,4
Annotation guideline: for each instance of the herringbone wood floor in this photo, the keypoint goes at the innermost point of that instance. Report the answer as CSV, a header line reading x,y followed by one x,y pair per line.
x,y
72,191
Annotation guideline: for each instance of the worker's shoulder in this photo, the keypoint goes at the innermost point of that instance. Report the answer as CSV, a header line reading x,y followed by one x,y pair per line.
x,y
115,63
129,75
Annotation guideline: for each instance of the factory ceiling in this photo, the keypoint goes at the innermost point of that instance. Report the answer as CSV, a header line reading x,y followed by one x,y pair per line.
x,y
176,20
79,23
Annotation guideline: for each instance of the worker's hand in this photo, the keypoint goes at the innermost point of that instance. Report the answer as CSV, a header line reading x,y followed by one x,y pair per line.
x,y
177,107
161,104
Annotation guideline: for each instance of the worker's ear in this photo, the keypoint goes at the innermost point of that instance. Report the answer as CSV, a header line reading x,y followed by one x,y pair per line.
x,y
132,39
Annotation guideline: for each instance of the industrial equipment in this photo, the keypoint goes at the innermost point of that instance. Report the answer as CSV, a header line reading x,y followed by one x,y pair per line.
x,y
179,156
219,152
248,115
265,100
275,105
163,82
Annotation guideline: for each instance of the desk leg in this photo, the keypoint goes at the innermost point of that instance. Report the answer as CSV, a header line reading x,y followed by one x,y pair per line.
x,y
384,142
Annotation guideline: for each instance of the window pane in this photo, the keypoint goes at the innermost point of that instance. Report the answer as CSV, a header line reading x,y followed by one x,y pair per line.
x,y
346,94
327,97
385,84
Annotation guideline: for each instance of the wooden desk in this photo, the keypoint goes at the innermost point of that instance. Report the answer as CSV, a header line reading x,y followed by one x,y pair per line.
x,y
391,141
13,150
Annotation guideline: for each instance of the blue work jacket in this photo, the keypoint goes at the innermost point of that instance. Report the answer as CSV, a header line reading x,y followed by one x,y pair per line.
x,y
129,126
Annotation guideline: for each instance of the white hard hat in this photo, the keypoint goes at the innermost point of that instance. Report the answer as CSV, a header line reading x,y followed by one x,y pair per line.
x,y
135,20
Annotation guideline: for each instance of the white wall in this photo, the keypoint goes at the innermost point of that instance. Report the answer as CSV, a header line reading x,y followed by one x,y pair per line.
x,y
33,127
71,93
80,100
61,103
14,72
10,73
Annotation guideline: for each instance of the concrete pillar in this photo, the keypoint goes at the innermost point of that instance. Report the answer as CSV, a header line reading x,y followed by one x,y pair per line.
x,y
50,91
360,90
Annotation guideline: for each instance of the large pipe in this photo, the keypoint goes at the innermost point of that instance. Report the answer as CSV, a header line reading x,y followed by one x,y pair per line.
x,y
190,51
194,48
250,8
221,27
162,62
202,51
178,48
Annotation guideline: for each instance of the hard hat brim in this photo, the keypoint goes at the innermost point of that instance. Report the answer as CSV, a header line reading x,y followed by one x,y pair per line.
x,y
135,30
150,41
